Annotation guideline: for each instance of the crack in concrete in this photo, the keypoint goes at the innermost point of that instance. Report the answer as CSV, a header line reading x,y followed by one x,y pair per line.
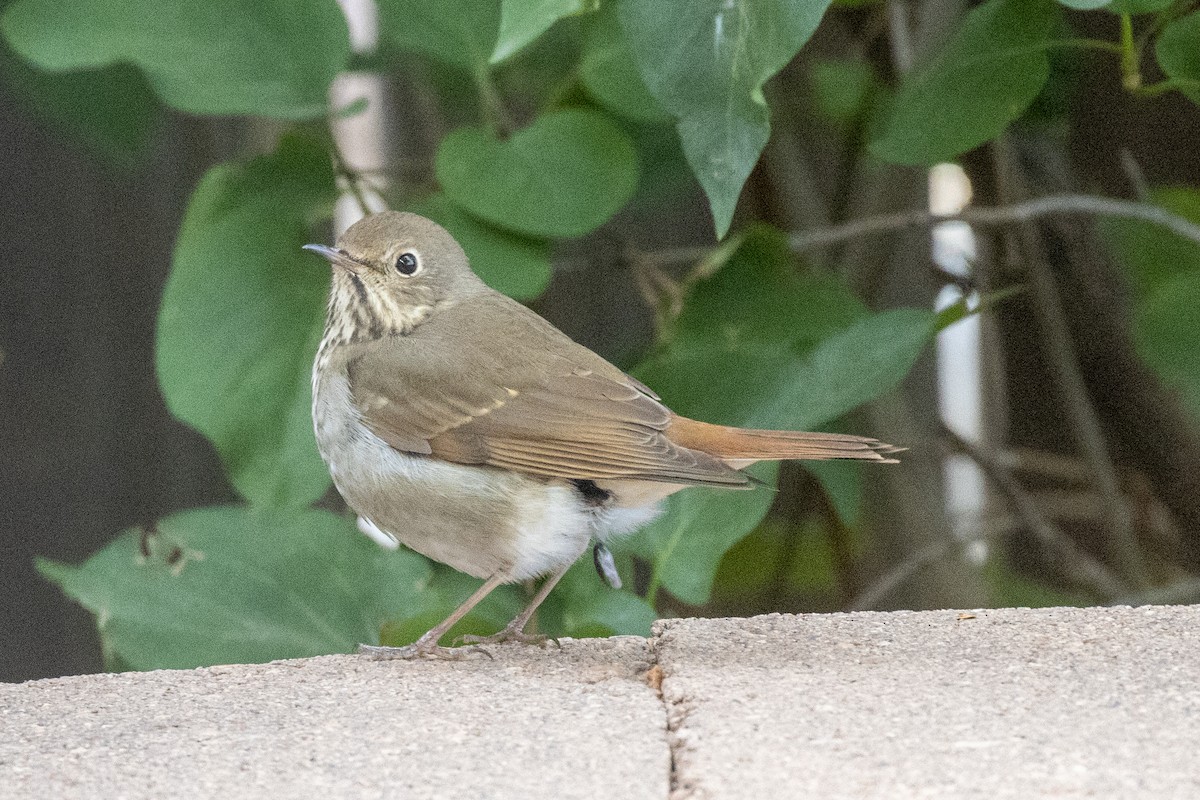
x,y
676,708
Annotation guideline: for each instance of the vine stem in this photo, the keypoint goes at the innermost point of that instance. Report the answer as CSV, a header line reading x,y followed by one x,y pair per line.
x,y
1131,75
350,176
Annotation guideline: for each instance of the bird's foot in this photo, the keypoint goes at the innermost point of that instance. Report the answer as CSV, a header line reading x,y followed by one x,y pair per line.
x,y
419,649
511,634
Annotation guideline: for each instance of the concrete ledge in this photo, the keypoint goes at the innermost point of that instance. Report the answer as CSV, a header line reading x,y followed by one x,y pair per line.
x,y
989,704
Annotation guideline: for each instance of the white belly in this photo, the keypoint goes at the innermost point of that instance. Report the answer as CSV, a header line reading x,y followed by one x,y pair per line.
x,y
478,520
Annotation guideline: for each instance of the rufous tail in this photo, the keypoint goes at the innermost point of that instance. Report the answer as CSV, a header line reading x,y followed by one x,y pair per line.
x,y
737,444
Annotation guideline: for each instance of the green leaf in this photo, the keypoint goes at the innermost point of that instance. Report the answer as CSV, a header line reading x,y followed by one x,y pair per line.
x,y
582,605
706,62
609,73
1178,52
564,175
516,265
762,346
687,543
1086,5
752,384
1167,334
458,32
1010,589
1138,6
1151,254
813,562
112,111
850,368
1165,271
241,316
985,77
760,296
234,585
842,482
443,594
842,88
272,58
751,567
522,21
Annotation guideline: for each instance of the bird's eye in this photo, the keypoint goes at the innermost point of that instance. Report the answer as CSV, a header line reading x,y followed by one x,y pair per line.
x,y
407,263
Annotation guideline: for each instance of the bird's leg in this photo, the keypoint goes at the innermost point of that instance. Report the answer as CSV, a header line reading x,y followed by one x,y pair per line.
x,y
515,630
428,645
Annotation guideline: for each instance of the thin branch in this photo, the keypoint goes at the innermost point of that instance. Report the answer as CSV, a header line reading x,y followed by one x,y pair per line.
x,y
1134,174
982,216
495,113
900,37
1000,215
349,176
1084,421
1080,566
1184,592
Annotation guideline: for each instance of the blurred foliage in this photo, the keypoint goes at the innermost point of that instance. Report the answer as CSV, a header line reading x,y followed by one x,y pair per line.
x,y
1165,270
564,112
985,77
241,318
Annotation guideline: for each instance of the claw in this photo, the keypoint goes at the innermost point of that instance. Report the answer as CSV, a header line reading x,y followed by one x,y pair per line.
x,y
419,649
511,635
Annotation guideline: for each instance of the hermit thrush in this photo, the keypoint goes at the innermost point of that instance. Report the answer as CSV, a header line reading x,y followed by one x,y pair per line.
x,y
462,424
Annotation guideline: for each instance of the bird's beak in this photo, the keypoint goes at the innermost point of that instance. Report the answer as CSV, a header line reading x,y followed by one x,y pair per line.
x,y
339,258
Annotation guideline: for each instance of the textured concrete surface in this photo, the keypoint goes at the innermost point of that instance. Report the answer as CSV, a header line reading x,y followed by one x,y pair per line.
x,y
1054,703
532,723
1011,703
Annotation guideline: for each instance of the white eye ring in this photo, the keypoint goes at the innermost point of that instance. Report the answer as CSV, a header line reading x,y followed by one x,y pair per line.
x,y
407,263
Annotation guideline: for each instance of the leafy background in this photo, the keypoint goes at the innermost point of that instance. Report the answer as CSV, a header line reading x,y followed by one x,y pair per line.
x,y
645,173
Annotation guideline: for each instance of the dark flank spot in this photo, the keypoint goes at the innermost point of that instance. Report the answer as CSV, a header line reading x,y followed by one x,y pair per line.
x,y
359,287
593,495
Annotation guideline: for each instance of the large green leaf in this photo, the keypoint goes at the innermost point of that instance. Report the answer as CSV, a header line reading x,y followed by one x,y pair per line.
x,y
1150,253
237,585
761,346
564,175
241,317
759,385
686,544
113,111
443,593
851,367
522,21
518,266
1138,6
983,79
1165,271
1178,52
610,74
842,482
842,88
458,32
1008,588
706,61
583,605
1167,332
760,297
271,58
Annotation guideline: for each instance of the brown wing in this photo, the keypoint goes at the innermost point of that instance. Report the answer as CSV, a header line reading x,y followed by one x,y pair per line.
x,y
488,382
